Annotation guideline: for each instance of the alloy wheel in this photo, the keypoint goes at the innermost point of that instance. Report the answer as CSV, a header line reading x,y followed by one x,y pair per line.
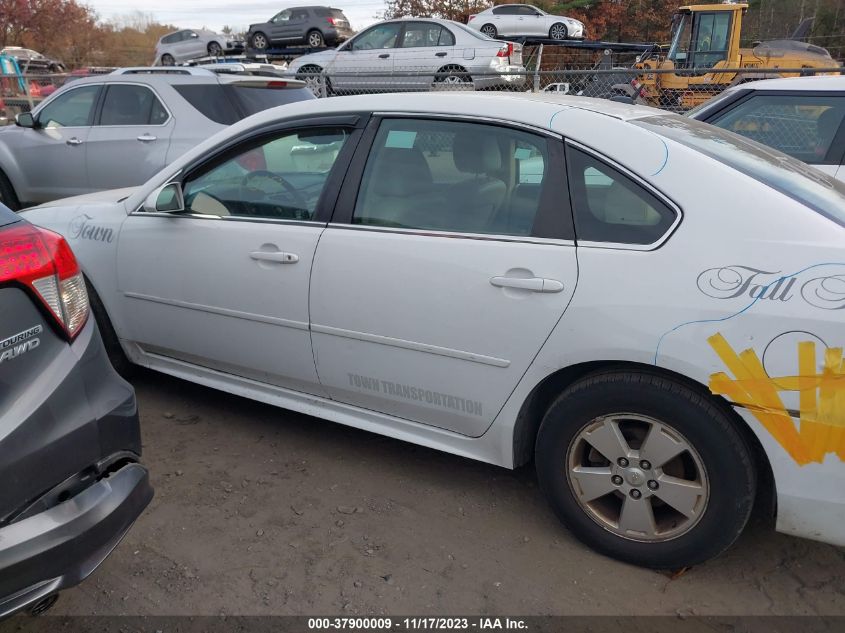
x,y
558,32
637,477
259,41
489,30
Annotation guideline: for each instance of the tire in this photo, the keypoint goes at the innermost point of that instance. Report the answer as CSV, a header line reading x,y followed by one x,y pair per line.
x,y
214,49
7,193
453,75
115,352
168,60
558,31
634,402
490,31
315,39
259,41
310,75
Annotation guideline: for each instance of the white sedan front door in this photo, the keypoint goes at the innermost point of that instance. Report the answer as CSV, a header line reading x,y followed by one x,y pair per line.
x,y
436,285
224,284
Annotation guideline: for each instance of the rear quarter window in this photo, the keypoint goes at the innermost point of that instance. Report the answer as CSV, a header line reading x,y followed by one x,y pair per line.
x,y
209,100
252,100
227,104
611,207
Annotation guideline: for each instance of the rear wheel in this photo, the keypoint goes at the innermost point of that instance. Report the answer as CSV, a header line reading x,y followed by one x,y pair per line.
x,y
645,469
7,193
167,60
489,30
315,39
214,49
259,41
454,75
115,352
558,31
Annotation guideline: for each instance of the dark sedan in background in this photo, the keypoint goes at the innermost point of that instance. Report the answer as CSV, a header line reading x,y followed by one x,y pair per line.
x,y
69,435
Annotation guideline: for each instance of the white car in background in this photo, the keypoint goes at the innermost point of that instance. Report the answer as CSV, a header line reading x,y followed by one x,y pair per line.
x,y
515,20
386,262
800,116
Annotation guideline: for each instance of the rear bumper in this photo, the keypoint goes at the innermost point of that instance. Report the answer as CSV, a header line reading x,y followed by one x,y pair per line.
x,y
505,76
60,547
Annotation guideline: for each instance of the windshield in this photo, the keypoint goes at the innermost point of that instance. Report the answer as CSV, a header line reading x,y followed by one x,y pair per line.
x,y
812,188
681,35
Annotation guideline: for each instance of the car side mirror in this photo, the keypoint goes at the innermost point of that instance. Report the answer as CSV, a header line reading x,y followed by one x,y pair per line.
x,y
165,199
25,119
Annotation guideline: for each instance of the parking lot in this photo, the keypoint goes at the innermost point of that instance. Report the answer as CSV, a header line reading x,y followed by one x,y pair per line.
x,y
263,511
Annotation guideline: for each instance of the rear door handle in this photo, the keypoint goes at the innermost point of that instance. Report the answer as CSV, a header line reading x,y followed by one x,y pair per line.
x,y
275,256
534,284
146,138
384,56
440,54
73,141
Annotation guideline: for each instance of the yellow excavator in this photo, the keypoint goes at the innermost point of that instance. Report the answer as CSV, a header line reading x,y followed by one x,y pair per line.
x,y
706,40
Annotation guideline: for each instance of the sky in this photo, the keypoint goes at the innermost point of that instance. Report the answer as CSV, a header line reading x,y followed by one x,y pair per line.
x,y
214,14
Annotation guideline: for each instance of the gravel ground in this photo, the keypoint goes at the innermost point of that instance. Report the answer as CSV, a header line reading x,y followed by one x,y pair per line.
x,y
259,510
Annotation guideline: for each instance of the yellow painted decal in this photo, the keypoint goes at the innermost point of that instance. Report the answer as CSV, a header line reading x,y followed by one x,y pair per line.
x,y
821,428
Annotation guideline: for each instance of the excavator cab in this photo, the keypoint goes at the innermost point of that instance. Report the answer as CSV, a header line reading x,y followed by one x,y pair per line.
x,y
705,35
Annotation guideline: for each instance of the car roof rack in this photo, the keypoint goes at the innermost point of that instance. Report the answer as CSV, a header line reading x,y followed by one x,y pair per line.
x,y
163,70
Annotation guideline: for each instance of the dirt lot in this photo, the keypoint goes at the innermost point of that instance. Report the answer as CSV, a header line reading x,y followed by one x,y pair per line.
x,y
263,511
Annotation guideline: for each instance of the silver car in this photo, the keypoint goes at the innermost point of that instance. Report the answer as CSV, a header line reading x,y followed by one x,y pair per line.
x,y
117,130
187,44
413,54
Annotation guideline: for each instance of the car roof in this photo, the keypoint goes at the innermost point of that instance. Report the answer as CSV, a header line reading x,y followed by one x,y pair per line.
x,y
534,110
821,82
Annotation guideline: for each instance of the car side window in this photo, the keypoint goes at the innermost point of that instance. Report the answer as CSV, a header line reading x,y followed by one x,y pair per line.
x,y
453,176
71,109
505,10
420,34
299,15
609,206
131,105
278,178
282,16
379,36
803,126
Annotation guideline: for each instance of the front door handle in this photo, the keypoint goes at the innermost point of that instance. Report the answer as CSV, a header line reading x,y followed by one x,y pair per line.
x,y
279,257
440,54
534,284
146,138
384,56
73,141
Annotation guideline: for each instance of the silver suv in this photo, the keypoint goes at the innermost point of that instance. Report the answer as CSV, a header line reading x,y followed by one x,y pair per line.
x,y
117,130
191,44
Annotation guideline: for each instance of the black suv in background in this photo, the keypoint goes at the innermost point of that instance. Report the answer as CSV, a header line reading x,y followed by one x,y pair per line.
x,y
313,26
70,482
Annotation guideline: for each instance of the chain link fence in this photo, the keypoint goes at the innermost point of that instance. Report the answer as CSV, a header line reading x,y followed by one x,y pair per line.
x,y
677,91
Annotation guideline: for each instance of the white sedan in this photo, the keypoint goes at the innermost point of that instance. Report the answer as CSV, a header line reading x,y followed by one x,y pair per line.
x,y
647,307
515,20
